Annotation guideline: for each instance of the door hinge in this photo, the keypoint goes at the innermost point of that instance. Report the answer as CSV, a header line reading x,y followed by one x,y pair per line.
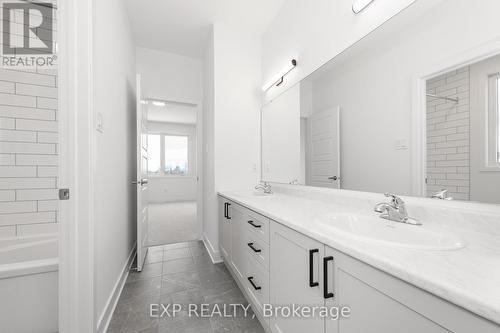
x,y
64,194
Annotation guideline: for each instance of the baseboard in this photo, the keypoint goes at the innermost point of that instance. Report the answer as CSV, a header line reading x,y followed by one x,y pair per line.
x,y
107,313
213,252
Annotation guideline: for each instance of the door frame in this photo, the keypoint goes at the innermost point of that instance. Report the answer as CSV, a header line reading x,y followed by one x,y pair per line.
x,y
199,146
419,106
76,152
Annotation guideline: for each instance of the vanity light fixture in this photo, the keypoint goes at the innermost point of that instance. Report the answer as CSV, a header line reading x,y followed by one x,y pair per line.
x,y
159,103
278,78
359,5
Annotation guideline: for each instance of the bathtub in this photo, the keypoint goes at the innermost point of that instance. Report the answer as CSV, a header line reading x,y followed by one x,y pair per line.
x,y
29,284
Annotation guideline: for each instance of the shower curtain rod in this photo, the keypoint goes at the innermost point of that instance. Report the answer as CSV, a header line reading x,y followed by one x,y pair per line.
x,y
443,97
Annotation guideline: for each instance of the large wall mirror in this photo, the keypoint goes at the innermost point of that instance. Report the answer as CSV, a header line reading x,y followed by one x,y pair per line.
x,y
411,109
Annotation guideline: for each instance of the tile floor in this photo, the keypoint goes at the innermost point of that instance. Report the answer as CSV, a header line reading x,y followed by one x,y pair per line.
x,y
183,274
172,222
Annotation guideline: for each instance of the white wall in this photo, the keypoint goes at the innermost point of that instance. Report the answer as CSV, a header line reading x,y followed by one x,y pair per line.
x,y
170,76
28,150
114,169
484,182
232,118
281,138
210,206
314,32
167,188
374,87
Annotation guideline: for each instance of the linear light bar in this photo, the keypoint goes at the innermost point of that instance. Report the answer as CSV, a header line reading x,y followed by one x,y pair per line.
x,y
359,5
158,103
277,79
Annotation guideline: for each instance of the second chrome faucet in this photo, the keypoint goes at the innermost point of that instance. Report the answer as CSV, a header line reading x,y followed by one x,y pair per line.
x,y
395,210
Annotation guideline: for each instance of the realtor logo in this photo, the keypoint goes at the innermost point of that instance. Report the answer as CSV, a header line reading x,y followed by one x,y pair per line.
x,y
27,28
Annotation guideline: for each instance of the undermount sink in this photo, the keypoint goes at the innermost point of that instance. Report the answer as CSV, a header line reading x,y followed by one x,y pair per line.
x,y
393,233
261,194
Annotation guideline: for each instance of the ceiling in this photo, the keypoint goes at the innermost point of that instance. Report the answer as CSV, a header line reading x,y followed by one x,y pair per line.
x,y
172,113
183,26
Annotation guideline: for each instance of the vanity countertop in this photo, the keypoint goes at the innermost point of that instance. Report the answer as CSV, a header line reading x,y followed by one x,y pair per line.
x,y
468,277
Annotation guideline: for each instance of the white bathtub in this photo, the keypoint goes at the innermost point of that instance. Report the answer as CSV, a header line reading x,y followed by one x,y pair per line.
x,y
29,284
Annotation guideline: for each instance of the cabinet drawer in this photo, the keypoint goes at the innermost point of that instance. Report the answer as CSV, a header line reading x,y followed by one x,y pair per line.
x,y
257,249
258,225
256,284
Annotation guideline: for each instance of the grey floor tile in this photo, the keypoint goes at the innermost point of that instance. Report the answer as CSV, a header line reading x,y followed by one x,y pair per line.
x,y
198,251
198,243
148,271
175,246
178,265
177,282
141,289
172,254
153,257
187,280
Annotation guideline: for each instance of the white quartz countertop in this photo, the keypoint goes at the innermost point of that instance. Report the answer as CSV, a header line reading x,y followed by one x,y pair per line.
x,y
468,277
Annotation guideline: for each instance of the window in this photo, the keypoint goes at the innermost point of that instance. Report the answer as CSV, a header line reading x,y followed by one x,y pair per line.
x,y
168,155
154,154
176,155
494,121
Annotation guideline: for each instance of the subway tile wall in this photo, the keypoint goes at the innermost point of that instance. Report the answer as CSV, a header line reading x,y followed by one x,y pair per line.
x,y
448,138
28,150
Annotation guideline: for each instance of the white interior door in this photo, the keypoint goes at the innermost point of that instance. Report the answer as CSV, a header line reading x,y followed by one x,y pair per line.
x,y
142,178
324,148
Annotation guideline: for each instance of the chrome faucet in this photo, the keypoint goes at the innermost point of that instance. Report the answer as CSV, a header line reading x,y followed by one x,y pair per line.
x,y
442,195
395,210
266,187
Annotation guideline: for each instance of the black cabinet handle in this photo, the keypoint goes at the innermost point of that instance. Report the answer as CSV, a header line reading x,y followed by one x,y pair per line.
x,y
228,217
225,210
253,248
311,268
326,294
253,284
254,225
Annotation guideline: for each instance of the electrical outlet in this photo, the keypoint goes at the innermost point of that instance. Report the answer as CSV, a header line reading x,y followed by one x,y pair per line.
x,y
401,144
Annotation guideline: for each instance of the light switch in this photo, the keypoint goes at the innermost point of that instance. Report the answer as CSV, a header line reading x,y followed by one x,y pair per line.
x,y
401,144
99,122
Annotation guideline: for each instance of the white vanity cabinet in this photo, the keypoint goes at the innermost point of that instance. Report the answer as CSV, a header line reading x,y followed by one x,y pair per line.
x,y
380,302
276,265
296,278
238,237
225,224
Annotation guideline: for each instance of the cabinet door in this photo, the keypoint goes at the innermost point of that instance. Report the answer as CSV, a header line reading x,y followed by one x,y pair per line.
x,y
238,238
291,280
377,300
225,228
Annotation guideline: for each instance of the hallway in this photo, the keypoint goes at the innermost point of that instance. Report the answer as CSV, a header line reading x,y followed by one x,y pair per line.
x,y
181,274
172,222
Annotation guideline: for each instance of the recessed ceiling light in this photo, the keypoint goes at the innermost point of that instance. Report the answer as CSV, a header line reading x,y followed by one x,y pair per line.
x,y
359,5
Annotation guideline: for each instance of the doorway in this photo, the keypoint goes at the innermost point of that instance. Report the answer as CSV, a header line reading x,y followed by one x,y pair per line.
x,y
173,170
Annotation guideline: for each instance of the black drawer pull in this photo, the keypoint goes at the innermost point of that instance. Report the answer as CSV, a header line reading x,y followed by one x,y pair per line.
x,y
326,294
253,248
254,225
311,268
253,284
225,210
228,217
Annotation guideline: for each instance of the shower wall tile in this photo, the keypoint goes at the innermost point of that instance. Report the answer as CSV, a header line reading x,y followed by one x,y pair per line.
x,y
28,152
448,132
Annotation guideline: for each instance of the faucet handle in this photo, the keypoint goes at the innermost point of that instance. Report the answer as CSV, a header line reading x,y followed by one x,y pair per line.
x,y
396,200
